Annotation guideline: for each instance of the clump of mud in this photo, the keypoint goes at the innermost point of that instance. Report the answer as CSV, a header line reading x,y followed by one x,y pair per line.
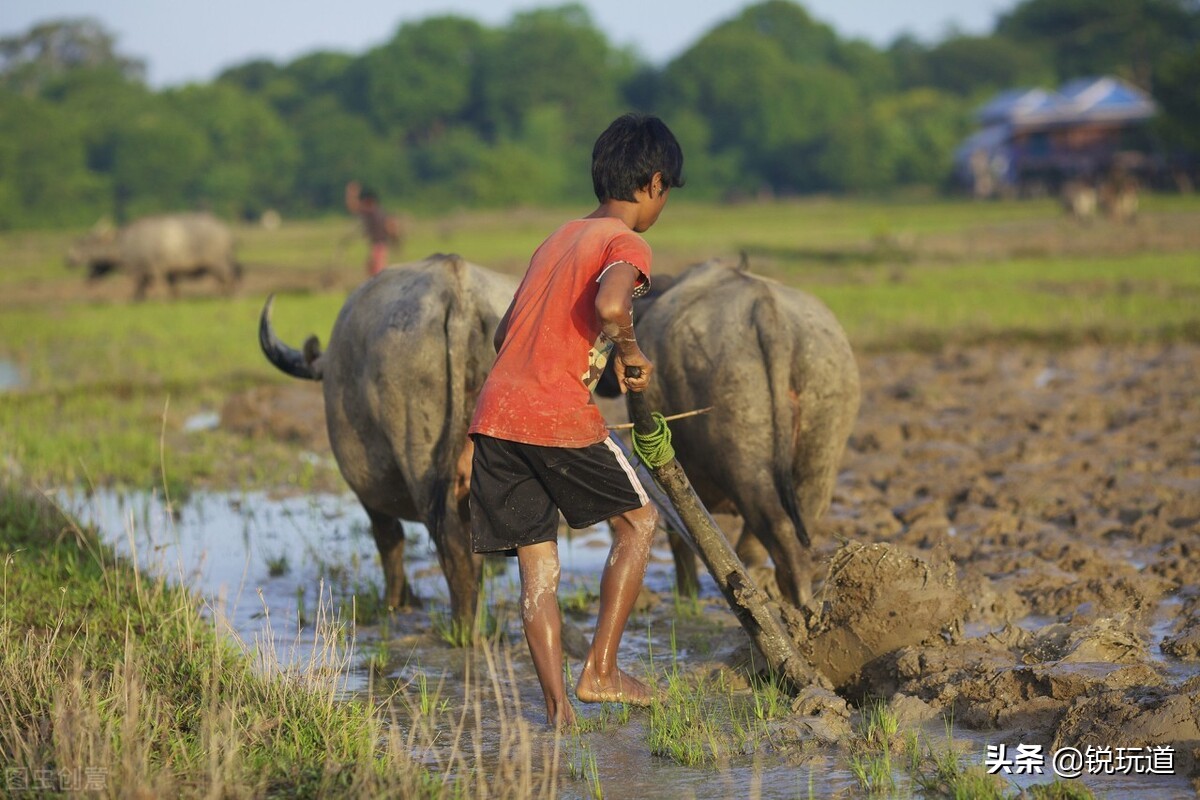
x,y
293,413
1154,716
878,599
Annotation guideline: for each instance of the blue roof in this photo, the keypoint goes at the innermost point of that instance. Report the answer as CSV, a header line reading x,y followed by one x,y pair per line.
x,y
1015,102
1080,100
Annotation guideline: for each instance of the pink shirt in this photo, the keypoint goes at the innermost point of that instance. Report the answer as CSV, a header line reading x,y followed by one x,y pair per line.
x,y
539,390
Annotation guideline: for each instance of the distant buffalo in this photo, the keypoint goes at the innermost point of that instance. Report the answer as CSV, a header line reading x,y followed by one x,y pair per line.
x,y
408,354
778,372
170,246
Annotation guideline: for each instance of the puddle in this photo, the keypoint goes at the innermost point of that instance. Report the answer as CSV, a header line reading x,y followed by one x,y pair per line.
x,y
204,421
255,561
10,376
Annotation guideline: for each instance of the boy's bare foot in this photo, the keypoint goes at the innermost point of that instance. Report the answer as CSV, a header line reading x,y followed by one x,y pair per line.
x,y
620,687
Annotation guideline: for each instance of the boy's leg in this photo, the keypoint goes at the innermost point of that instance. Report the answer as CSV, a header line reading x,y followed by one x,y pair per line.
x,y
542,621
601,680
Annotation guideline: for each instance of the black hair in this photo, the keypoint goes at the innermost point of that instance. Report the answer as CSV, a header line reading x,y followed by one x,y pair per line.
x,y
629,152
368,194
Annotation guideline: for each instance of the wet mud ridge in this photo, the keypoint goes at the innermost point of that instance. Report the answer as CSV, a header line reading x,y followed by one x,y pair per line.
x,y
1015,541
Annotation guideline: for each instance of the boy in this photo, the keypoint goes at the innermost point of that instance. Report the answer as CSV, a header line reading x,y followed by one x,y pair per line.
x,y
541,445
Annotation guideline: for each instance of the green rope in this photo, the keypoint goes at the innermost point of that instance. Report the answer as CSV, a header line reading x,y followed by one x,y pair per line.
x,y
654,449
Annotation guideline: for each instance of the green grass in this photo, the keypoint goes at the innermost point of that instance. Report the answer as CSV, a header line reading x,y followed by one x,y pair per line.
x,y
114,677
1149,297
108,387
108,670
705,721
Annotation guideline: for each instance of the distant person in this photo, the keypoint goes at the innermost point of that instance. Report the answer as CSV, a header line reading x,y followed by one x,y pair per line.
x,y
540,443
381,229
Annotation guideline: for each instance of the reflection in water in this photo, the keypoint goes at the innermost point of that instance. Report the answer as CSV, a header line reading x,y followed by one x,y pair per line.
x,y
258,563
258,560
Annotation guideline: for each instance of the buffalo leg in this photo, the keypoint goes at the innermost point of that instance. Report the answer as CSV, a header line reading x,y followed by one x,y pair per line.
x,y
793,561
143,283
389,538
461,566
750,550
687,583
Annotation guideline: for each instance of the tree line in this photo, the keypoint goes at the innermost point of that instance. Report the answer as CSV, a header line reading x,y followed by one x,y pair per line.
x,y
452,113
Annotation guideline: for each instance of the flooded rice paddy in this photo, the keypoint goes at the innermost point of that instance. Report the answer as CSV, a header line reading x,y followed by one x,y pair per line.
x,y
1064,487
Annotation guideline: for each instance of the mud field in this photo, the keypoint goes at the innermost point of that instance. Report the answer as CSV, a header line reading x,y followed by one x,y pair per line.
x,y
1061,489
1065,488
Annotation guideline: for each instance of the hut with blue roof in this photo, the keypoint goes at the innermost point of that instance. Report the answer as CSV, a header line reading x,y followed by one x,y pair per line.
x,y
1035,140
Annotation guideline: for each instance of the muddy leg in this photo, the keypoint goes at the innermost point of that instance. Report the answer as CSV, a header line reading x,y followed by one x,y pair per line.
x,y
542,622
601,680
461,566
389,538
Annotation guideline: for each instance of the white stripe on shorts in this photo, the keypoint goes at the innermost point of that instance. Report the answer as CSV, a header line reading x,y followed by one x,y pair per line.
x,y
625,465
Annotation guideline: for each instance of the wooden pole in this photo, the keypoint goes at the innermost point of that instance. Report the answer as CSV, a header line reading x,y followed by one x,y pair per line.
x,y
748,602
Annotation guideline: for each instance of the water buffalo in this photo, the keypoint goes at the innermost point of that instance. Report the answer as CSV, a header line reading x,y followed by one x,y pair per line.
x,y
407,355
171,246
776,367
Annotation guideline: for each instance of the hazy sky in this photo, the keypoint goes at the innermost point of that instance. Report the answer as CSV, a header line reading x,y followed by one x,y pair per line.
x,y
185,41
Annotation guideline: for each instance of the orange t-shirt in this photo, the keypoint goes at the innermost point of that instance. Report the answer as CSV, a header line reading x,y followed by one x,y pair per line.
x,y
539,390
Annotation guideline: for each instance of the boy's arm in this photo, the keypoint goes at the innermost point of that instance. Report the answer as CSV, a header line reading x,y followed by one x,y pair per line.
x,y
614,307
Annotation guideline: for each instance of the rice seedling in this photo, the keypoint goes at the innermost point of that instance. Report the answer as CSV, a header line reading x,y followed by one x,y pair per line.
x,y
879,725
579,600
873,771
278,566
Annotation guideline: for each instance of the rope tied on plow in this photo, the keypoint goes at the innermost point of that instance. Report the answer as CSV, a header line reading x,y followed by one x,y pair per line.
x,y
654,449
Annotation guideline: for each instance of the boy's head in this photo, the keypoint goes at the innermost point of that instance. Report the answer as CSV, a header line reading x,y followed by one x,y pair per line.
x,y
629,152
368,197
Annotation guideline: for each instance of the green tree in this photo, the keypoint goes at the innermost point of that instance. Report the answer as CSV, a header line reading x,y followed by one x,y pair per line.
x,y
51,49
554,57
106,103
768,103
1176,78
44,179
336,146
979,65
1095,37
252,156
910,62
425,78
157,163
899,140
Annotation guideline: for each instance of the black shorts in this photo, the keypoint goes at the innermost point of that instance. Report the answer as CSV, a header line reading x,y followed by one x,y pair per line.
x,y
517,491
